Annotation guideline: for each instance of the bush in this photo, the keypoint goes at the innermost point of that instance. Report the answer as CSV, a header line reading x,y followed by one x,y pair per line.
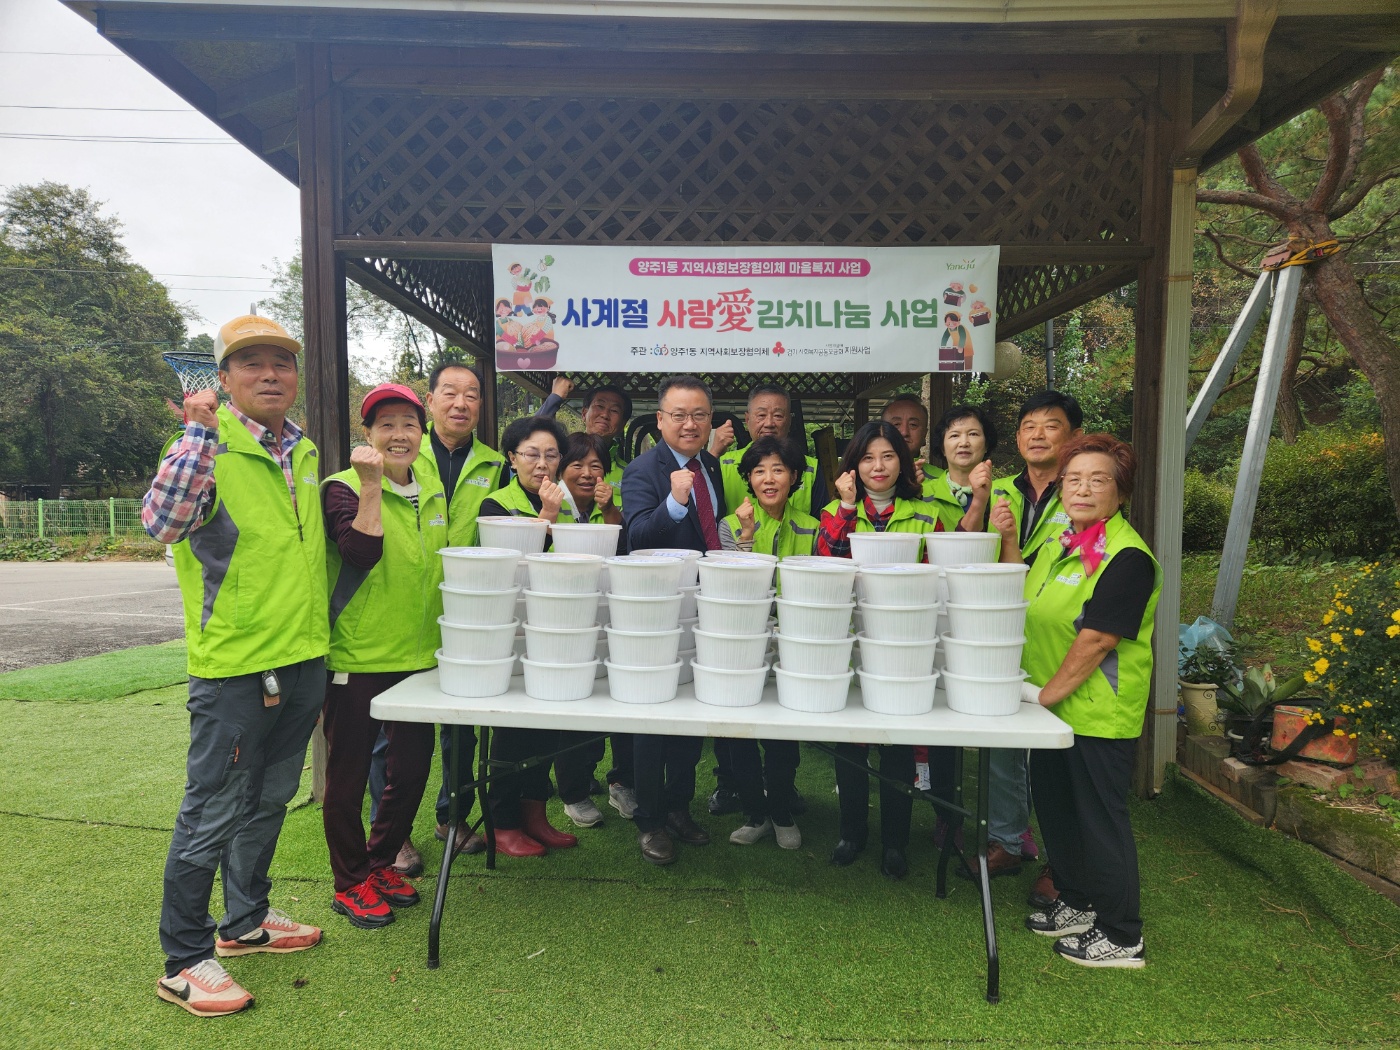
x,y
1205,513
1328,493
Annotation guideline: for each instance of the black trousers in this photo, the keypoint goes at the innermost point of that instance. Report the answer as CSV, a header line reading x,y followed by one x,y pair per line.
x,y
726,776
853,783
623,758
573,770
1081,800
777,768
664,776
504,795
941,781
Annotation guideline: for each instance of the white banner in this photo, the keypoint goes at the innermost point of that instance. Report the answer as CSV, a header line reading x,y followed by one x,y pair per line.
x,y
744,309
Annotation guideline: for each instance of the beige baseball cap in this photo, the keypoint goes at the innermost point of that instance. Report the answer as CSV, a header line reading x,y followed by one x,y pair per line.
x,y
251,330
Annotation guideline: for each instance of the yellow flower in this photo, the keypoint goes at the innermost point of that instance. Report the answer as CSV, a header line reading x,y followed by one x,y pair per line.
x,y
1339,732
1395,616
1309,677
1393,631
1316,646
1357,631
1328,617
1365,703
1335,638
1349,610
1320,665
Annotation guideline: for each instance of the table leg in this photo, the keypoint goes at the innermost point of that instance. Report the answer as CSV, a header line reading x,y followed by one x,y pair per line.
x,y
483,778
448,852
984,768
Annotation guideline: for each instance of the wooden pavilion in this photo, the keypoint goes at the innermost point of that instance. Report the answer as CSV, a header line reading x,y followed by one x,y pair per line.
x,y
1069,132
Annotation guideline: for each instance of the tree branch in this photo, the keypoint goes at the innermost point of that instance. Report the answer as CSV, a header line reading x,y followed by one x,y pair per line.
x,y
1220,254
1350,201
1246,199
1342,151
1262,180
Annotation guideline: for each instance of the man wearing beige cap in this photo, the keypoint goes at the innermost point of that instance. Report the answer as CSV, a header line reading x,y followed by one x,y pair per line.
x,y
237,494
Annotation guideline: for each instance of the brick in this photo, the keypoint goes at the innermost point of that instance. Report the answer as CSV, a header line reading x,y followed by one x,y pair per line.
x,y
1235,770
1324,778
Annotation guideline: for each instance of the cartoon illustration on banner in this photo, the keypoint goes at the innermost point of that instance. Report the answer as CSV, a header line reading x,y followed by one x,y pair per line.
x,y
733,309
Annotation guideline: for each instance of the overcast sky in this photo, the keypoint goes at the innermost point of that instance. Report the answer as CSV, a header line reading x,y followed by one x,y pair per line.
x,y
203,214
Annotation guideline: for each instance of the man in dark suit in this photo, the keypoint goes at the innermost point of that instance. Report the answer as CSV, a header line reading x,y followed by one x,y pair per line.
x,y
672,496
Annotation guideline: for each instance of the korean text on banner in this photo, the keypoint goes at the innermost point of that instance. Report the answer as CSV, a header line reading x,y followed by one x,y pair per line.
x,y
740,309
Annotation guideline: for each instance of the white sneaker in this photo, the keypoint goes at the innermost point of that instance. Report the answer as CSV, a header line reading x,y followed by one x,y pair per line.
x,y
622,799
788,836
1060,921
584,814
748,834
1095,949
278,933
205,990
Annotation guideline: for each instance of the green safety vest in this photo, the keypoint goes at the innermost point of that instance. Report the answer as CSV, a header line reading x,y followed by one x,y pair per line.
x,y
796,533
1114,699
516,502
736,488
910,515
1052,522
481,473
386,619
942,503
932,475
253,575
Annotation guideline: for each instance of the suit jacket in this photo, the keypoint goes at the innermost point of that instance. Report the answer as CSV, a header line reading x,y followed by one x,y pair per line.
x,y
646,521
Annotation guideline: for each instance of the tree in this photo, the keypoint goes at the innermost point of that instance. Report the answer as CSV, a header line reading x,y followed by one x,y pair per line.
x,y
1331,174
82,328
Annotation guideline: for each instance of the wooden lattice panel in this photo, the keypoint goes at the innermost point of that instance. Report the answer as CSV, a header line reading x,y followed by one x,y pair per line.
x,y
731,386
654,171
457,292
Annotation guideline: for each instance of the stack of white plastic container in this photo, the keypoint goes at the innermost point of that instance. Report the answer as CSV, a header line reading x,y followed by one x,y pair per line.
x,y
524,536
561,628
591,538
734,601
478,623
982,649
644,634
690,587
814,634
899,614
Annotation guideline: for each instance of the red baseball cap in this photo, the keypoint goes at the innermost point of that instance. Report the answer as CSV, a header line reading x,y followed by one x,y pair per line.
x,y
390,392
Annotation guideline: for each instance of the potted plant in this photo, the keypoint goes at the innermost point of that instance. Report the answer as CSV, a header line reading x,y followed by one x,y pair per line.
x,y
1249,702
1201,673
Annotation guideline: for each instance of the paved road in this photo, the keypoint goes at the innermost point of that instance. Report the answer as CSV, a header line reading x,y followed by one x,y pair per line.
x,y
52,611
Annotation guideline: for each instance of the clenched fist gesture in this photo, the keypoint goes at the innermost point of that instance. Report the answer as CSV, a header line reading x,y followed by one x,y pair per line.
x,y
722,438
980,478
602,494
368,464
1004,521
747,518
551,499
562,387
919,470
202,407
846,487
682,481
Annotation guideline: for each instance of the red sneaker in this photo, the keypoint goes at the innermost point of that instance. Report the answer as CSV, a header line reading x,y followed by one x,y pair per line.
x,y
363,906
393,887
205,990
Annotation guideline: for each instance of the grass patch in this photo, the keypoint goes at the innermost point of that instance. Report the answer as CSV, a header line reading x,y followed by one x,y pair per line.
x,y
103,677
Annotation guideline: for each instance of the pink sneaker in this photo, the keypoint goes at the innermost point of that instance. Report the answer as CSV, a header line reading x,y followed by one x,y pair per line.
x,y
277,933
205,990
1029,850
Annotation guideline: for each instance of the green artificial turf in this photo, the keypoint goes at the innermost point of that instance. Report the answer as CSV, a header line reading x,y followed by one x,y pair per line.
x,y
1253,940
103,677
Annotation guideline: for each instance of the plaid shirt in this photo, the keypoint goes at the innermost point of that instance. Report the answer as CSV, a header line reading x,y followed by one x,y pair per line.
x,y
183,488
834,537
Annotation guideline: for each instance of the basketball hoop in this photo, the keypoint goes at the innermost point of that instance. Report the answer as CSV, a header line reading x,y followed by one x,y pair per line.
x,y
196,371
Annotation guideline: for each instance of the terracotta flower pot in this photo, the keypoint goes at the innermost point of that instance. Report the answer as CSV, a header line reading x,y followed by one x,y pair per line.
x,y
1202,714
1290,721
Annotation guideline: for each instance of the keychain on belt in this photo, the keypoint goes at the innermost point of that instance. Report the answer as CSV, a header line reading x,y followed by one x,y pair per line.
x,y
272,689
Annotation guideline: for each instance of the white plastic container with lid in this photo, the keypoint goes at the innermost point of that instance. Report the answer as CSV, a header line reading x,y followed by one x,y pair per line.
x,y
644,614
735,579
477,608
986,585
987,623
690,573
586,538
771,559
980,659
731,652
812,693
983,696
729,687
473,678
886,548
550,681
478,642
643,648
888,695
517,533
633,576
643,685
560,645
909,659
560,610
962,548
904,584
555,573
816,655
733,616
479,568
805,620
688,606
817,581
900,623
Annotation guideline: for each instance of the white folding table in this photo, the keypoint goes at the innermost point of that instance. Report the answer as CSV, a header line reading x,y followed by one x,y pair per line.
x,y
419,699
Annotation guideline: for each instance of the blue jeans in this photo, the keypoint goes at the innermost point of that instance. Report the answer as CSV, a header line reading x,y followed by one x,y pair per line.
x,y
244,766
1009,807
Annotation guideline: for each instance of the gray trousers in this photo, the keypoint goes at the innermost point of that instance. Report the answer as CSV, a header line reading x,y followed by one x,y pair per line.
x,y
244,765
1009,803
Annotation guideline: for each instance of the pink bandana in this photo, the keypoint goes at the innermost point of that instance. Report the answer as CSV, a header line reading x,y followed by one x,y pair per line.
x,y
1091,544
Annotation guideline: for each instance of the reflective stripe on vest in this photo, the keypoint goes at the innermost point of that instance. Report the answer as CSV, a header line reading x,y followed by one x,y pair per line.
x,y
253,575
941,501
1114,699
386,619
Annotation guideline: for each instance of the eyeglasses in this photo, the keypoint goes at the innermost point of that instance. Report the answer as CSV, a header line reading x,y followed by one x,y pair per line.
x,y
531,456
1096,482
700,415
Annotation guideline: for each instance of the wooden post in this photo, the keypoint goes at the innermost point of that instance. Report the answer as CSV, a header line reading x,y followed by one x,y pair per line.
x,y
1159,397
325,346
488,423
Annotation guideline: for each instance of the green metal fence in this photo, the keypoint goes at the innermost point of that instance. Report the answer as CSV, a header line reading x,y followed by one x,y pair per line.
x,y
51,518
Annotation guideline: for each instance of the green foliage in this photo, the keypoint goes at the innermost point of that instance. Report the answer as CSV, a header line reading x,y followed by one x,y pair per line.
x,y
82,328
1218,445
1211,665
1259,688
1205,512
1358,655
1359,409
29,550
1327,493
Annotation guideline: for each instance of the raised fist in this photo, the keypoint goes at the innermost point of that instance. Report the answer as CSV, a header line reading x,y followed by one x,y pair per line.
x,y
551,497
681,483
846,486
602,494
368,464
721,438
202,407
1003,520
746,517
919,470
980,479
562,387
